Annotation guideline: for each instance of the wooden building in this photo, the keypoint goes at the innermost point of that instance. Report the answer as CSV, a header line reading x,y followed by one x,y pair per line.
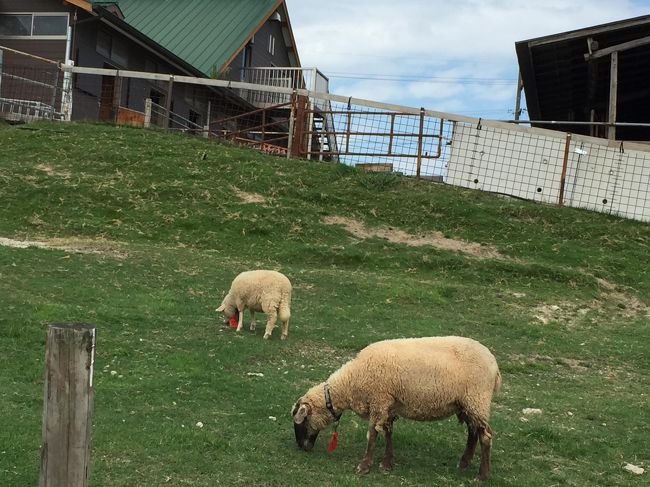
x,y
595,74
247,40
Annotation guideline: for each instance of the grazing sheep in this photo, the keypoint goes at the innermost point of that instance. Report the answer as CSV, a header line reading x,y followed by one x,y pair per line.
x,y
423,379
259,290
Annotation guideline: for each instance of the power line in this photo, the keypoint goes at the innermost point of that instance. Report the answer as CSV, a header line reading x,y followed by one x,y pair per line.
x,y
424,78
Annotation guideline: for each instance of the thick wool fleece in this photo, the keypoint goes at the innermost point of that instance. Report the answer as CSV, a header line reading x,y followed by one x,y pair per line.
x,y
419,378
260,291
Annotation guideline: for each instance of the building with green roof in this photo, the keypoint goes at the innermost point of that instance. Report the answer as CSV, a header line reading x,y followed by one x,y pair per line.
x,y
237,40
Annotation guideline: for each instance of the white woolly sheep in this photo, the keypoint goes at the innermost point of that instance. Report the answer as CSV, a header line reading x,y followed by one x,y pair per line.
x,y
260,290
423,379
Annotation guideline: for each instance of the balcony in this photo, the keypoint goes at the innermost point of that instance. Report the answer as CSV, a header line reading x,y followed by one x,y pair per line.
x,y
295,78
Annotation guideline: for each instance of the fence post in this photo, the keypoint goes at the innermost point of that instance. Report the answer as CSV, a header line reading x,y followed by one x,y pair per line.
x,y
147,113
67,409
613,94
117,97
420,143
206,127
565,163
168,101
298,132
292,119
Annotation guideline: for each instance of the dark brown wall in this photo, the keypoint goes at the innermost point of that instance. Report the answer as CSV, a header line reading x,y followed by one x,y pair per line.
x,y
52,49
49,49
35,6
89,89
261,56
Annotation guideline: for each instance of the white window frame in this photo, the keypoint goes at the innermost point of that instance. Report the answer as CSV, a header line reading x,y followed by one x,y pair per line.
x,y
39,14
272,44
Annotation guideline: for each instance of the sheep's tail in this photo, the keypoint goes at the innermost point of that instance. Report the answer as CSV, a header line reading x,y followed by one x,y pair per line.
x,y
497,382
284,310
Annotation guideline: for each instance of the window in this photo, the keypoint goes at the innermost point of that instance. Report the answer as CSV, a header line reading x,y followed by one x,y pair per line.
x,y
272,44
194,118
42,26
112,48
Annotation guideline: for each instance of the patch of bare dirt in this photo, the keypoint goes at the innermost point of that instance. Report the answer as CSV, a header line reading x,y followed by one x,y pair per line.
x,y
563,312
572,363
73,245
629,305
253,198
395,235
52,171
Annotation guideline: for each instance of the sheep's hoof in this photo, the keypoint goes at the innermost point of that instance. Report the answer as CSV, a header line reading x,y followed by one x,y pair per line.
x,y
252,329
482,477
283,337
363,468
464,464
267,336
386,465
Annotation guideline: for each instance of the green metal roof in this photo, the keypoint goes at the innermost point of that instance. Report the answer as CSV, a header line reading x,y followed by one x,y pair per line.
x,y
204,33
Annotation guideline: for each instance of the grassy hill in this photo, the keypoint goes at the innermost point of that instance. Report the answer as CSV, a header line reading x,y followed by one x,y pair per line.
x,y
141,233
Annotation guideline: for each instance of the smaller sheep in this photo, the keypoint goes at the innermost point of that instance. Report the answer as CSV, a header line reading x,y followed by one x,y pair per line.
x,y
260,290
424,379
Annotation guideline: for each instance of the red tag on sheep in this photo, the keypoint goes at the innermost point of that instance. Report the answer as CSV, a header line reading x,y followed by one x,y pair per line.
x,y
334,440
233,322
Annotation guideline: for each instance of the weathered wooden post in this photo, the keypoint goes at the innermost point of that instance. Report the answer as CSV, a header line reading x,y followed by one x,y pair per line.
x,y
67,410
420,144
147,113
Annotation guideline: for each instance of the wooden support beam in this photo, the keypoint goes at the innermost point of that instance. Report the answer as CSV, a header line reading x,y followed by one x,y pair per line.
x,y
83,4
617,48
613,92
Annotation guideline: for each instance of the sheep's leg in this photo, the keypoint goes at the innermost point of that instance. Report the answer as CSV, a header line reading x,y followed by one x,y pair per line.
x,y
366,462
387,463
270,323
485,437
472,439
240,323
252,327
285,330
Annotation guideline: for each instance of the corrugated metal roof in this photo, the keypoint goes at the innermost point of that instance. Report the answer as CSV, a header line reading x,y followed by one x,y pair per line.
x,y
204,33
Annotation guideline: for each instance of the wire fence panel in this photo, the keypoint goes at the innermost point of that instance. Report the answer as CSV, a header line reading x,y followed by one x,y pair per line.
x,y
516,163
30,88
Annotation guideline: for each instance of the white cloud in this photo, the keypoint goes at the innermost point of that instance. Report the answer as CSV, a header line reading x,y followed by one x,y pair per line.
x,y
441,39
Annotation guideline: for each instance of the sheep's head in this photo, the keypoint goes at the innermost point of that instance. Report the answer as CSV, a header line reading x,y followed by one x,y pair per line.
x,y
228,308
310,416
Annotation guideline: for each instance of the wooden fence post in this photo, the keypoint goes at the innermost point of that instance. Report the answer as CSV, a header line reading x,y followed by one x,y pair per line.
x,y
147,113
168,102
420,144
117,97
565,163
67,409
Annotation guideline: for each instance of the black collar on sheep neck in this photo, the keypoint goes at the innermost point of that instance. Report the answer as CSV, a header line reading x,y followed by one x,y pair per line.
x,y
328,402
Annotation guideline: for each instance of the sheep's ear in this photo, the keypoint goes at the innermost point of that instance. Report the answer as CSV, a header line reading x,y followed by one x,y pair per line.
x,y
221,308
302,413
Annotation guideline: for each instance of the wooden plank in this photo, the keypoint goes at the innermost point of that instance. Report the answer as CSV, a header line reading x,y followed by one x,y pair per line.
x,y
565,164
618,48
613,92
420,144
67,409
83,4
590,31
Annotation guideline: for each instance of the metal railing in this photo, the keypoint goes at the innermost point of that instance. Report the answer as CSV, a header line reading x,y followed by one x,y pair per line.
x,y
310,79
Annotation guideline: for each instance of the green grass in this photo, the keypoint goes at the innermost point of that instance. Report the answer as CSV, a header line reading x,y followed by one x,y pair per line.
x,y
565,311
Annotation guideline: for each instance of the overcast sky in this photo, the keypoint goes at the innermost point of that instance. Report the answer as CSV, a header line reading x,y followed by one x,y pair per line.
x,y
452,56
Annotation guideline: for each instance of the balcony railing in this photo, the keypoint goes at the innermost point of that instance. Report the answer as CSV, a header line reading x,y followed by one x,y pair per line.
x,y
295,78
